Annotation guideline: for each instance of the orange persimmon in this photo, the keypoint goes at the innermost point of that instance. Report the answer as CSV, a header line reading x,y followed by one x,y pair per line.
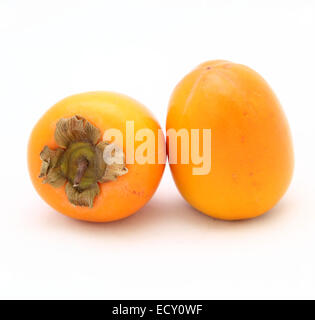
x,y
66,157
251,149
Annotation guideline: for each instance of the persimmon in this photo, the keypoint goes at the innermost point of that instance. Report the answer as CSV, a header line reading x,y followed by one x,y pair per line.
x,y
251,147
66,157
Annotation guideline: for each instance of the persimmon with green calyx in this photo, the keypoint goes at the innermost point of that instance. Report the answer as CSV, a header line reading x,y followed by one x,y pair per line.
x,y
66,157
251,147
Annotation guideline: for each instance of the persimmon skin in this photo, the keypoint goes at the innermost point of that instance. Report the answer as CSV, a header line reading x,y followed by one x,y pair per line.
x,y
106,110
251,147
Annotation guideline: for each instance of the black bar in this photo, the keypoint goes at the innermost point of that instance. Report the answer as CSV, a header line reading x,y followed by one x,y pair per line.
x,y
154,309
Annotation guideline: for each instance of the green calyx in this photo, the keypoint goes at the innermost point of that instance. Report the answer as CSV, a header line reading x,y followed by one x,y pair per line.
x,y
82,164
78,161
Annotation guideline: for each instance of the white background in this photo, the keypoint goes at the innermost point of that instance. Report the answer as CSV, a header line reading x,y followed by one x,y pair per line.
x,y
51,49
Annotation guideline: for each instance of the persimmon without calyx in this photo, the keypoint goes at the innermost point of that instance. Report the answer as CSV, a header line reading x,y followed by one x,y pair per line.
x,y
66,157
251,148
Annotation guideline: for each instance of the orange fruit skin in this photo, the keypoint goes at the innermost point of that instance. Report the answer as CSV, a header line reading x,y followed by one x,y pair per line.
x,y
251,147
117,199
